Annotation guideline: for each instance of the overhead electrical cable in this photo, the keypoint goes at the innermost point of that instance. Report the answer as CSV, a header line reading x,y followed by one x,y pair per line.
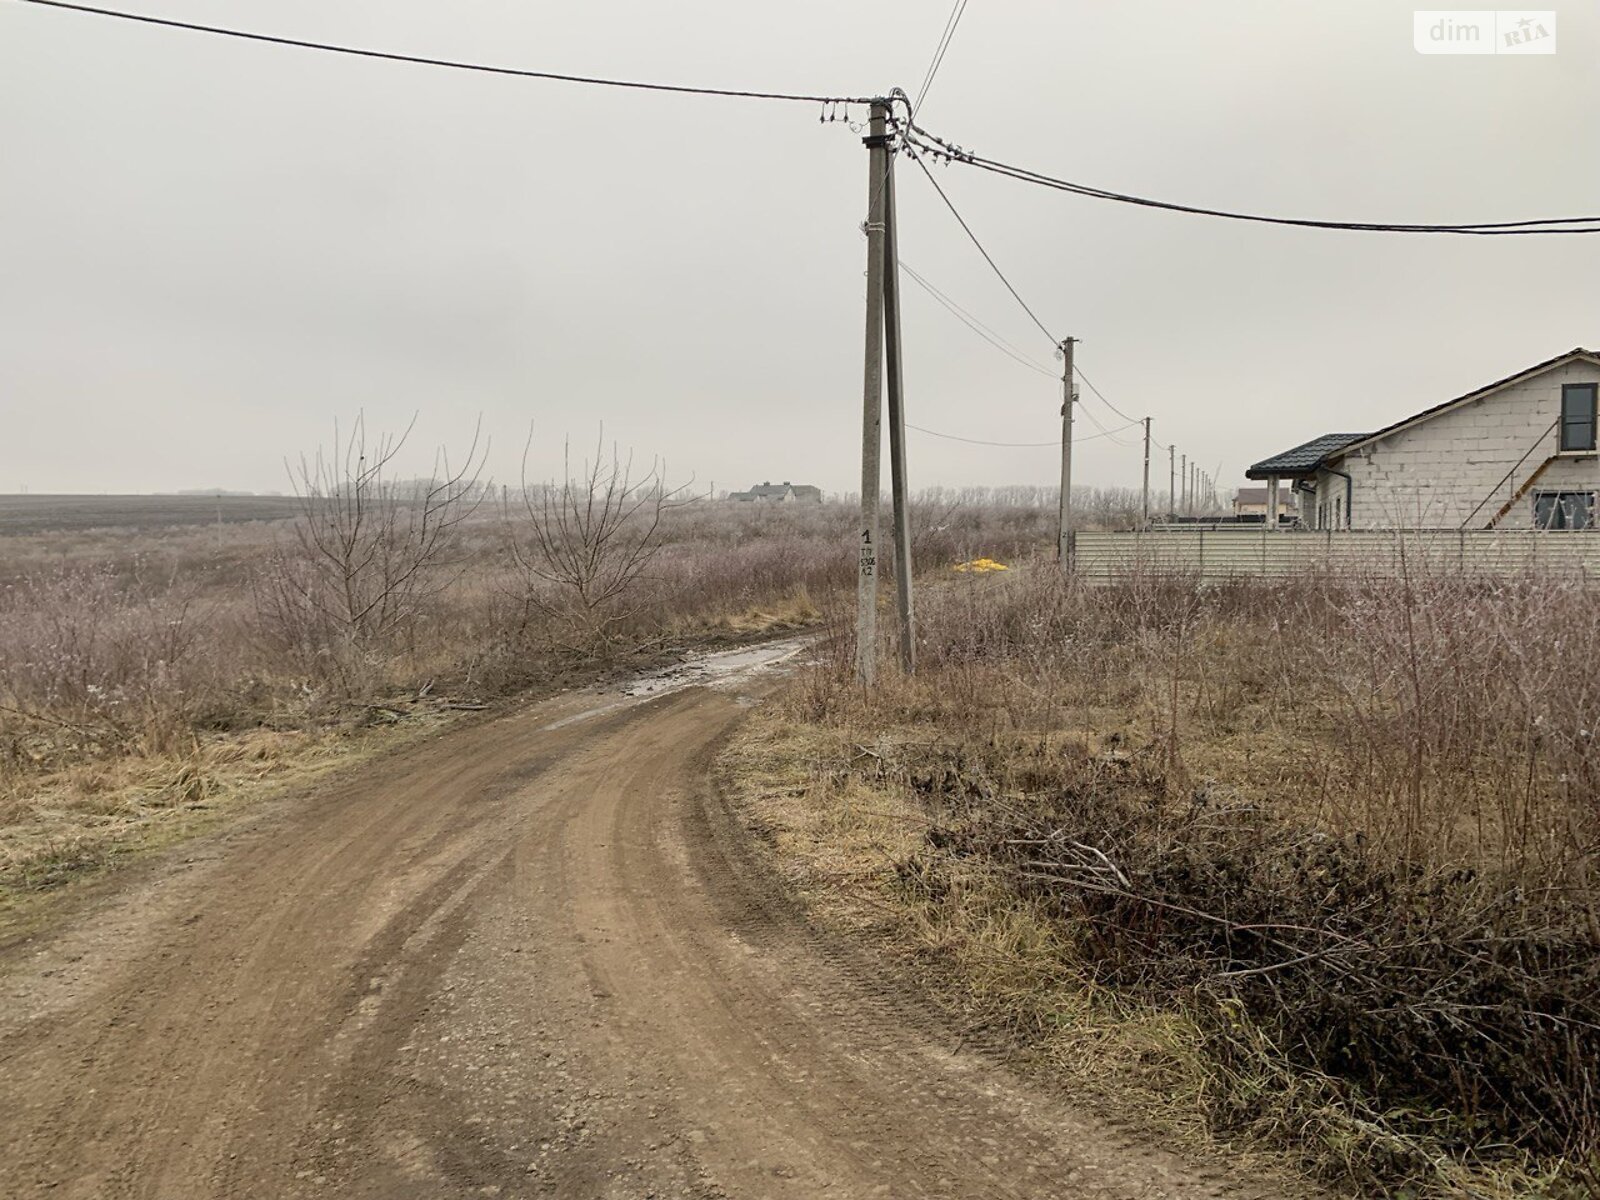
x,y
1102,396
957,11
989,258
452,64
1001,275
913,135
941,148
1019,445
1104,432
977,326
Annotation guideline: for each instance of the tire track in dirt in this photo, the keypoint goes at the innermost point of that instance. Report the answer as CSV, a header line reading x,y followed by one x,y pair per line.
x,y
535,957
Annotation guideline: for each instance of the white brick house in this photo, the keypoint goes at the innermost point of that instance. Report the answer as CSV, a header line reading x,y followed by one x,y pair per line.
x,y
1517,454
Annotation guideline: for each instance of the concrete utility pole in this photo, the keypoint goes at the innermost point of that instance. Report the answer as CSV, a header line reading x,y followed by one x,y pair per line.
x,y
1146,507
897,424
1183,506
1172,481
877,144
1064,532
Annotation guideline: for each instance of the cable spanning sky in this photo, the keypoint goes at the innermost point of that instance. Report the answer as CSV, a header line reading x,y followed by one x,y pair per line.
x,y
211,249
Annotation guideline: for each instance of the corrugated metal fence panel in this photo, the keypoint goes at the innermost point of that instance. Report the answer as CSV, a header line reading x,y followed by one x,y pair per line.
x,y
1233,553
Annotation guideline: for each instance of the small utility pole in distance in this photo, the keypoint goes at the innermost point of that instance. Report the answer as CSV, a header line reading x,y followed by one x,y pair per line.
x,y
897,423
877,144
1147,472
1172,481
1183,504
1064,532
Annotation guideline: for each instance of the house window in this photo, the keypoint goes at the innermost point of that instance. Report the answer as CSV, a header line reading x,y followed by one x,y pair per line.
x,y
1563,510
1577,416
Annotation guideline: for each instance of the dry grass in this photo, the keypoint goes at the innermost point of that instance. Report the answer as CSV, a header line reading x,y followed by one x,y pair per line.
x,y
850,846
73,823
154,679
156,672
1314,867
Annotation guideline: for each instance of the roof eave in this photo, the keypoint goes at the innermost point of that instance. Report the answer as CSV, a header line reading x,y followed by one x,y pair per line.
x,y
1578,353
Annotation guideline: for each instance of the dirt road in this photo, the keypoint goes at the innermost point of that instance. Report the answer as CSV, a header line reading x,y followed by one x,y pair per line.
x,y
532,957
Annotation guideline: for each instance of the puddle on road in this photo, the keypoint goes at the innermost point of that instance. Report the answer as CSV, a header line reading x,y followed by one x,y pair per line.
x,y
713,668
722,669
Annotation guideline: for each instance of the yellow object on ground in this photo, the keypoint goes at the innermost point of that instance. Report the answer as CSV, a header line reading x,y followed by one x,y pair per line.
x,y
981,566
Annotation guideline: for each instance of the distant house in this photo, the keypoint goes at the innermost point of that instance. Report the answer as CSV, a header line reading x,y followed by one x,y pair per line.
x,y
781,493
1251,503
1520,453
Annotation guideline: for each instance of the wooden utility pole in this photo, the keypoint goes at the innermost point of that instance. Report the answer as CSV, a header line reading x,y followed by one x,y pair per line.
x,y
1064,524
877,143
1147,472
897,424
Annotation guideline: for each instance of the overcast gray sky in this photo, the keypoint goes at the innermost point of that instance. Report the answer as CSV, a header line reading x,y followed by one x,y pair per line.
x,y
209,249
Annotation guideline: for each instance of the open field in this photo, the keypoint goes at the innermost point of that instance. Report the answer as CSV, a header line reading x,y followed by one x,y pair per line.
x,y
150,678
56,514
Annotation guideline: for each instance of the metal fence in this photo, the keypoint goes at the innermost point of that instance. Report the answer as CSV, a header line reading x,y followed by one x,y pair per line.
x,y
1236,553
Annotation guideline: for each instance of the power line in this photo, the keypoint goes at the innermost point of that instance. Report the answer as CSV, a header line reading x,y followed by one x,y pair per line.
x,y
972,322
453,64
952,437
999,343
986,256
957,11
927,76
928,141
952,153
1102,396
1104,432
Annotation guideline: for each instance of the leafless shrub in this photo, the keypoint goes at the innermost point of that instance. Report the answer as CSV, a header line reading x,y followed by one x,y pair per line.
x,y
369,552
90,665
581,544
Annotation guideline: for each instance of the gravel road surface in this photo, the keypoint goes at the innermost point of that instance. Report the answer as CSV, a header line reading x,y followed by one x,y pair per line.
x,y
533,956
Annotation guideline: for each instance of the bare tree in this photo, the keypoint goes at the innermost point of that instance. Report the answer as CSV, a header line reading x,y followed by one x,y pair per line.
x,y
369,550
581,544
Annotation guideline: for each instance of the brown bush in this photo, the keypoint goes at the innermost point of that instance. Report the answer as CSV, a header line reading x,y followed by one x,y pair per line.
x,y
1351,825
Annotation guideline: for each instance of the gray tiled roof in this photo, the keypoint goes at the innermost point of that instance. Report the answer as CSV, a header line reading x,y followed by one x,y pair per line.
x,y
1305,458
